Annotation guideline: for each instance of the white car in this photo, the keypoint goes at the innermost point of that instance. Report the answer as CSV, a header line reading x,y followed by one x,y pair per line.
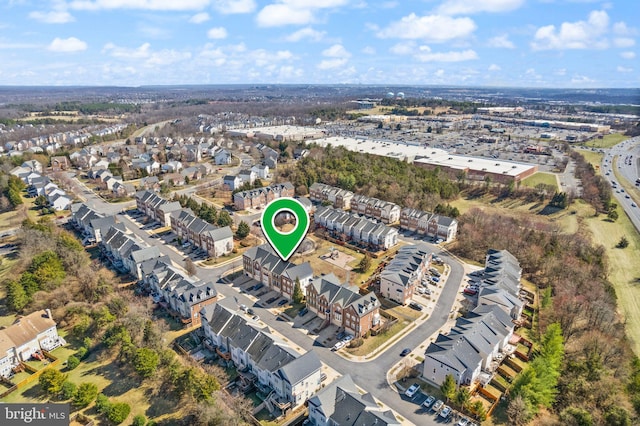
x,y
339,345
413,389
446,411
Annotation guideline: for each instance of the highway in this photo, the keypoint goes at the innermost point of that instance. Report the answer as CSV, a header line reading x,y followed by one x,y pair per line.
x,y
627,164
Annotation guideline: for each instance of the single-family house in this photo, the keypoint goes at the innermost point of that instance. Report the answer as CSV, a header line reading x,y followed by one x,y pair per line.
x,y
222,157
247,175
261,171
232,182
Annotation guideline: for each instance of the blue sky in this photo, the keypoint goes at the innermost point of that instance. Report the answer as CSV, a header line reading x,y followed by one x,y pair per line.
x,y
530,43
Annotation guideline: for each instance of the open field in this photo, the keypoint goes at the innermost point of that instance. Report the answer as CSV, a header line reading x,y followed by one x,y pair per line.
x,y
595,158
373,342
624,268
607,141
541,177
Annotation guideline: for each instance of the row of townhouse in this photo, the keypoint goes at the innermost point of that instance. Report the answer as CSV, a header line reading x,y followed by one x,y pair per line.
x,y
90,223
356,229
342,403
26,336
404,273
339,198
182,295
190,228
263,265
471,347
262,359
155,207
41,185
343,305
500,284
384,211
260,197
430,224
474,343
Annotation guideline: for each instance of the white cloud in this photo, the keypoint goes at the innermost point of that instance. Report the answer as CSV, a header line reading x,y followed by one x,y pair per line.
x,y
67,45
624,69
439,73
369,50
199,18
460,7
560,71
127,53
451,56
306,33
229,7
624,42
574,35
294,12
327,64
217,33
628,55
494,67
582,80
406,48
338,57
139,4
52,17
501,42
336,51
434,28
145,55
620,28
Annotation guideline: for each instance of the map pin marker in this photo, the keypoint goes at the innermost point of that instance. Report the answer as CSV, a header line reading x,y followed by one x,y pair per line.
x,y
285,243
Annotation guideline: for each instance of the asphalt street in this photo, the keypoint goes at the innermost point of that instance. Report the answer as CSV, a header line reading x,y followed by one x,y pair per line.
x,y
370,375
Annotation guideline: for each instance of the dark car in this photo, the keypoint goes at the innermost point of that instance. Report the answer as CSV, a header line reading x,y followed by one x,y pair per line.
x,y
303,312
405,352
416,306
258,286
250,311
271,300
282,302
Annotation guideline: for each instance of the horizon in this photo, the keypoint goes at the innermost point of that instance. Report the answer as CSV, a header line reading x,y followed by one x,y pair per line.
x,y
563,44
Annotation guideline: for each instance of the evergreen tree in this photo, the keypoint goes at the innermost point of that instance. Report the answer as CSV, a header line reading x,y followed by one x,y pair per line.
x,y
448,387
17,298
243,230
298,296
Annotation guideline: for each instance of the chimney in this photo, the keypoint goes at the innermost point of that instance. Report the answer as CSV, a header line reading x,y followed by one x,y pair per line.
x,y
48,313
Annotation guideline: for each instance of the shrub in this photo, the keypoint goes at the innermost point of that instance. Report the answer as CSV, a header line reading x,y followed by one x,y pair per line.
x,y
623,243
118,412
86,393
69,390
82,353
72,362
139,420
102,404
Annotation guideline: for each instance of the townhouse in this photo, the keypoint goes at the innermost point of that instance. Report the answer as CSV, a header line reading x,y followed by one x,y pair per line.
x,y
341,403
26,336
339,198
407,270
214,240
384,211
472,346
501,282
355,229
183,296
91,224
263,359
343,305
428,224
260,197
263,265
156,207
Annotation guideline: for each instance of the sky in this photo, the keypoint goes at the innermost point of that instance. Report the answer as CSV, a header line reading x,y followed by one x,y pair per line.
x,y
512,43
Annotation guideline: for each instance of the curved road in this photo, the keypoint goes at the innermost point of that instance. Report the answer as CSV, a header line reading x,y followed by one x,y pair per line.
x,y
370,375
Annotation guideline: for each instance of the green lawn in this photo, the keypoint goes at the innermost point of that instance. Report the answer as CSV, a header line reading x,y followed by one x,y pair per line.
x,y
373,342
607,141
541,177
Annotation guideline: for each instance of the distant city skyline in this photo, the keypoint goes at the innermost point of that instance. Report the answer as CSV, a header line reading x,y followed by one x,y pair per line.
x,y
504,43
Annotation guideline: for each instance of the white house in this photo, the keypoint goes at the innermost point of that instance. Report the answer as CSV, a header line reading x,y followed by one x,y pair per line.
x,y
222,157
261,171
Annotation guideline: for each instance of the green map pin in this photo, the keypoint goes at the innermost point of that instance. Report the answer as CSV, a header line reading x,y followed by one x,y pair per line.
x,y
285,243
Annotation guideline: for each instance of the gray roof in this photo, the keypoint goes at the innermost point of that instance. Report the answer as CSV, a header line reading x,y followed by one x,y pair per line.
x,y
403,269
341,402
300,368
144,254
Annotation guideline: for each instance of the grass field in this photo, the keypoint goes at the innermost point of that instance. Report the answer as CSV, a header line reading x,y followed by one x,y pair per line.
x,y
541,177
595,158
371,343
607,141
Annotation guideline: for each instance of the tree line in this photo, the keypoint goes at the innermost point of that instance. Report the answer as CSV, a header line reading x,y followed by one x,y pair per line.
x,y
571,273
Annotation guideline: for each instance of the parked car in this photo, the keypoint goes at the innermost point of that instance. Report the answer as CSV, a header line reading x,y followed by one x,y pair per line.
x,y
470,291
463,422
339,345
416,306
323,377
412,390
438,405
271,300
250,311
258,286
446,412
282,302
303,311
347,338
429,401
405,352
